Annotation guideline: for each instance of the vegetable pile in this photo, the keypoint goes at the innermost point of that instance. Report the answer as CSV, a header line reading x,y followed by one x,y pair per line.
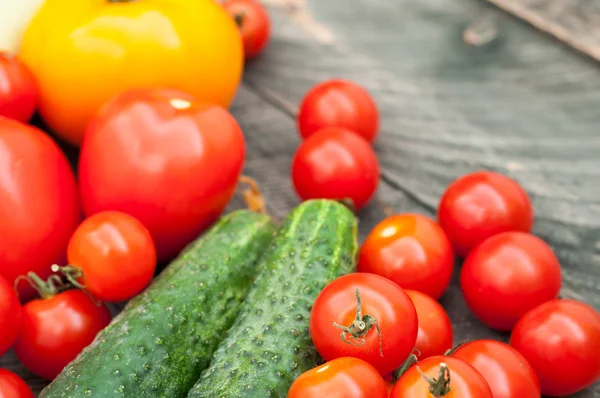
x,y
240,304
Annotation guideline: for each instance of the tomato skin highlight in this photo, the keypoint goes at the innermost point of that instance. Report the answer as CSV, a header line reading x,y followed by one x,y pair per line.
x,y
411,250
382,299
18,89
335,163
56,329
345,377
255,24
10,316
338,103
12,386
116,254
435,334
465,381
39,207
561,341
506,371
508,275
168,182
482,204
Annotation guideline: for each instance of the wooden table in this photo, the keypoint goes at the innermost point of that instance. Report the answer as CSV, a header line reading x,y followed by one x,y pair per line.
x,y
513,100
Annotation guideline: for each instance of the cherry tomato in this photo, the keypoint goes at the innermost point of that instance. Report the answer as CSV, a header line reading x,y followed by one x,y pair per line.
x,y
56,329
507,372
10,316
336,164
18,89
153,154
346,377
39,207
411,250
254,23
482,204
435,334
374,318
561,341
12,386
465,381
115,253
339,103
508,275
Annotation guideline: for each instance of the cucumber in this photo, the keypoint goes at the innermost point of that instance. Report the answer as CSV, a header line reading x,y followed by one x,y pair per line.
x,y
165,336
269,345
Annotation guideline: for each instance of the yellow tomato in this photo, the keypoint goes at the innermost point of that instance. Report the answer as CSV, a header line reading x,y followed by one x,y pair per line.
x,y
83,52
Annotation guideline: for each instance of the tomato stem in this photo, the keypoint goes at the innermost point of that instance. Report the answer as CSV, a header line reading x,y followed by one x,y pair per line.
x,y
239,18
252,195
45,289
408,363
438,386
449,352
70,272
360,327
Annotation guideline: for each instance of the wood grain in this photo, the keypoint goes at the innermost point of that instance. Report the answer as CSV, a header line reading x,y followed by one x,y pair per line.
x,y
519,104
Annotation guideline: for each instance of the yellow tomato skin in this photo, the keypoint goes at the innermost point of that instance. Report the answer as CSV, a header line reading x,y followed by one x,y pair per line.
x,y
83,52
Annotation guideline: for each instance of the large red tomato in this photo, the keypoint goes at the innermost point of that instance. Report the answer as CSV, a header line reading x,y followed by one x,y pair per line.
x,y
345,377
18,89
364,316
507,372
448,377
482,204
561,341
170,162
39,208
10,316
508,275
12,386
412,250
435,335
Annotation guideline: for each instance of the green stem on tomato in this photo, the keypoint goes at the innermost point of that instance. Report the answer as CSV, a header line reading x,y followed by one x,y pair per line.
x,y
72,274
438,386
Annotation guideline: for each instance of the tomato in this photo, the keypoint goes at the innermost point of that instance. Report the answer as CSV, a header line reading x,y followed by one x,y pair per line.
x,y
465,381
10,316
412,250
364,316
12,386
336,164
435,334
39,207
508,275
18,89
113,46
153,154
254,23
115,253
506,371
561,340
346,377
479,205
56,329
339,103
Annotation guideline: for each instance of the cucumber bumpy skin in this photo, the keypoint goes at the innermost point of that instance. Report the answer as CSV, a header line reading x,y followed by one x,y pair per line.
x,y
165,336
269,345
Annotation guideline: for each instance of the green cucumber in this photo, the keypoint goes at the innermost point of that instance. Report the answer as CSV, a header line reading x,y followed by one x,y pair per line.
x,y
165,336
269,345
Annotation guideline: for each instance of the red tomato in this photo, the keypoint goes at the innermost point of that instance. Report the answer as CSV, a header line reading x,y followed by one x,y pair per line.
x,y
12,386
411,250
561,340
18,89
153,154
336,164
116,254
507,372
465,381
435,335
482,204
254,23
381,328
39,208
10,316
508,275
339,103
342,377
56,329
